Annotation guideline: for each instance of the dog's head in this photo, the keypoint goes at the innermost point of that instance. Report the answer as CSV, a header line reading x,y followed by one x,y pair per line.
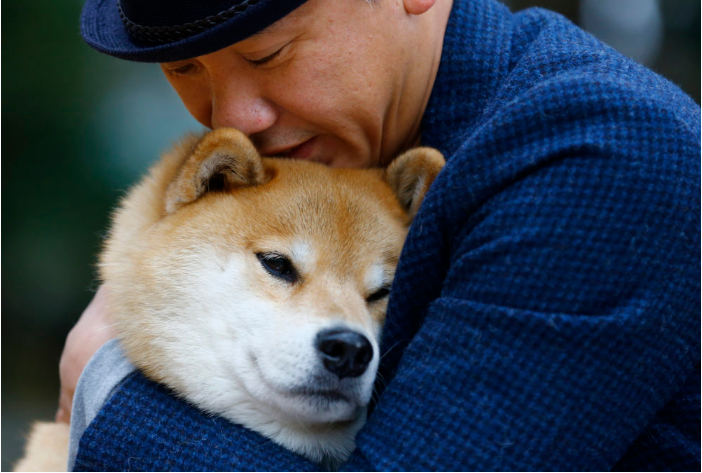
x,y
250,284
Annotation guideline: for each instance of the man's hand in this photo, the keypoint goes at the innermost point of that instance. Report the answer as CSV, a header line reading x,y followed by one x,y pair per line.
x,y
91,332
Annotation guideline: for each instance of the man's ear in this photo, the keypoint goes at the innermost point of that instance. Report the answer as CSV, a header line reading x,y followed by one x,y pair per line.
x,y
223,159
411,174
417,7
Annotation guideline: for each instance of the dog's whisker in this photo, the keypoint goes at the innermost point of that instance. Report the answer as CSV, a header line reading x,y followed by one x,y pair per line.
x,y
108,326
392,347
374,395
380,376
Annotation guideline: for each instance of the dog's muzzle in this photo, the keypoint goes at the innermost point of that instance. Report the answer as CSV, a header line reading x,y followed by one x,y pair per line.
x,y
344,352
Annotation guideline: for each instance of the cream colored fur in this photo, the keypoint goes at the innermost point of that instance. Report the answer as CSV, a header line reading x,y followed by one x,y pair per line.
x,y
46,448
196,309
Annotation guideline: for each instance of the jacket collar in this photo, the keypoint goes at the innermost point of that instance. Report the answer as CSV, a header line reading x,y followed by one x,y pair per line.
x,y
474,63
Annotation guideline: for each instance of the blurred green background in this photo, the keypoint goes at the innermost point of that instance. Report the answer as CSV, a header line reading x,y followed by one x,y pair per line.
x,y
79,127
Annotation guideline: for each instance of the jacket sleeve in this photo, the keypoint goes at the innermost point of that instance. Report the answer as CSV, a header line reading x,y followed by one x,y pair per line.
x,y
567,318
145,427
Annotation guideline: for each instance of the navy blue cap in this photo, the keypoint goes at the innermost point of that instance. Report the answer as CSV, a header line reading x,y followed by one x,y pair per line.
x,y
172,30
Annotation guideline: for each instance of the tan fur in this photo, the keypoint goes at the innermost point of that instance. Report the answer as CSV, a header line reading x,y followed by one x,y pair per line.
x,y
46,449
225,153
173,224
412,173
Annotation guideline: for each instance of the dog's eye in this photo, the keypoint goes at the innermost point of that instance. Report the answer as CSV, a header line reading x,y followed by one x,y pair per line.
x,y
279,266
377,295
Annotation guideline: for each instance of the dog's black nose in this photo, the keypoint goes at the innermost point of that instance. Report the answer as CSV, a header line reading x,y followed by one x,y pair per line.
x,y
344,352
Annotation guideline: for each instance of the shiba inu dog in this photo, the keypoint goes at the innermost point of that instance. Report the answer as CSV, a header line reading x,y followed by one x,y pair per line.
x,y
256,288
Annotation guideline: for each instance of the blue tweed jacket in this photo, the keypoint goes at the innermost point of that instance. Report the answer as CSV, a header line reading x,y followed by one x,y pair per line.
x,y
546,309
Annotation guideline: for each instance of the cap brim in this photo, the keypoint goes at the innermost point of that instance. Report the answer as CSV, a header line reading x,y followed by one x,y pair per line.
x,y
103,29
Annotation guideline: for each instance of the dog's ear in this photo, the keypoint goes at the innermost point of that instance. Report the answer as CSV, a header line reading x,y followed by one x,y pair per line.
x,y
411,174
221,160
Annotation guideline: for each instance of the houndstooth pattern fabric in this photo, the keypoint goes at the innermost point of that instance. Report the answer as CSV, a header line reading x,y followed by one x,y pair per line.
x,y
546,310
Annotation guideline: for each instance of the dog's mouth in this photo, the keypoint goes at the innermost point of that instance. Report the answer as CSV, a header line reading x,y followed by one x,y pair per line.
x,y
325,394
317,401
320,391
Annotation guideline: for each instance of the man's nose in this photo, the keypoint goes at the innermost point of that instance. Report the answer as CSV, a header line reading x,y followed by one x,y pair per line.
x,y
242,107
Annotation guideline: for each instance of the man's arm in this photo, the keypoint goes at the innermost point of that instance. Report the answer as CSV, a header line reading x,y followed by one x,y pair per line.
x,y
98,382
568,318
92,331
560,252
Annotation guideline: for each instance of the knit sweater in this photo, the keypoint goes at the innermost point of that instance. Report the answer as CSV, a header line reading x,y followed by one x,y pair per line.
x,y
545,314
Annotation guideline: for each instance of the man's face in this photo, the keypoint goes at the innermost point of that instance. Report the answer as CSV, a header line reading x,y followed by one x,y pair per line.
x,y
341,82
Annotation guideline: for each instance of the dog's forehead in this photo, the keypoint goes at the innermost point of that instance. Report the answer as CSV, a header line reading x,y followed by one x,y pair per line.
x,y
312,198
333,212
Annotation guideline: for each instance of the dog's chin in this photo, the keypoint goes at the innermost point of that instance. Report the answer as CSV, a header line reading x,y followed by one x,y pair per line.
x,y
317,398
310,406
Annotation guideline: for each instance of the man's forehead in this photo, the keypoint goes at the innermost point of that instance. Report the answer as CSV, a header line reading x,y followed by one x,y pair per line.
x,y
285,22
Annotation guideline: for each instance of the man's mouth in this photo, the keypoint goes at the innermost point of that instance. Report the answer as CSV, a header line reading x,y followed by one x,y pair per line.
x,y
303,150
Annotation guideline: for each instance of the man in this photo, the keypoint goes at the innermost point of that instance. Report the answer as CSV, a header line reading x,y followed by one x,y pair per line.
x,y
545,312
